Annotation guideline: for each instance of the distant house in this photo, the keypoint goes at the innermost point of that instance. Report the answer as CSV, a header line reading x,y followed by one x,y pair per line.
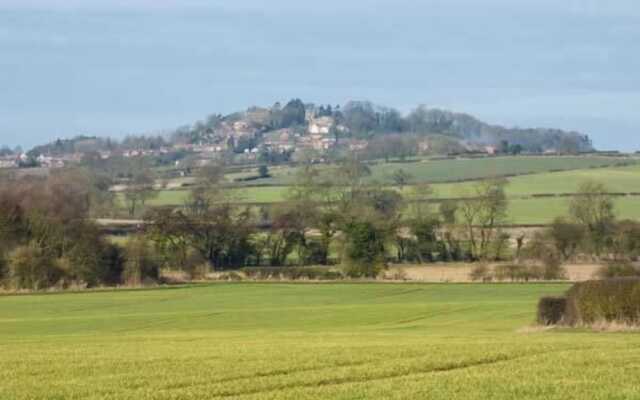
x,y
358,145
8,162
325,143
241,126
424,146
50,162
491,150
321,125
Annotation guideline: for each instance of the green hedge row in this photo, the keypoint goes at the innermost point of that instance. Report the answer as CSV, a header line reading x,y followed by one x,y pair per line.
x,y
292,273
608,300
587,303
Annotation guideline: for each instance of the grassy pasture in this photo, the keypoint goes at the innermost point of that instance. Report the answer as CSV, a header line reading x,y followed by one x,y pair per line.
x,y
437,171
523,210
467,169
618,179
283,341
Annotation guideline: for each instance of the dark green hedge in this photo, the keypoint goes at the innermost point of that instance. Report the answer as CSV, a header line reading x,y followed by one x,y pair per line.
x,y
551,310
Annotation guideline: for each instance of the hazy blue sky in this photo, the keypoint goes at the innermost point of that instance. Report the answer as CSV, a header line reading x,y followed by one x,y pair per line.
x,y
110,67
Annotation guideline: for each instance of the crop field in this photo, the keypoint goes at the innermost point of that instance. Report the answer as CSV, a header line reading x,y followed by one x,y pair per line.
x,y
306,341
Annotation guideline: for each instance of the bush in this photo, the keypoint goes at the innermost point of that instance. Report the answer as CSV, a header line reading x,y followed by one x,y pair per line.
x,y
363,251
481,272
230,276
554,272
291,273
396,274
140,265
525,273
619,270
355,269
3,269
512,272
611,300
551,310
31,268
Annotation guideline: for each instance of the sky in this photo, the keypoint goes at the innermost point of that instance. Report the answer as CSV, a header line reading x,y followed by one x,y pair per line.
x,y
116,67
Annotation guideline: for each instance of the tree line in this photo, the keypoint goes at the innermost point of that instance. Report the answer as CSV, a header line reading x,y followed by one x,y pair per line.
x,y
48,237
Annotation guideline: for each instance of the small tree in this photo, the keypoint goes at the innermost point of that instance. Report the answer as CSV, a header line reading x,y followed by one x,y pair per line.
x,y
425,231
140,264
168,231
482,212
566,237
593,208
401,178
624,242
139,191
364,249
263,171
30,267
287,232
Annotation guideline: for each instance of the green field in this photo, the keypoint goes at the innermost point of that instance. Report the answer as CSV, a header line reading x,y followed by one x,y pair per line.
x,y
617,179
306,341
523,208
435,171
466,169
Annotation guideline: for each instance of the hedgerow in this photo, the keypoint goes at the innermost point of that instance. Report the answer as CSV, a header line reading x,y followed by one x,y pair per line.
x,y
610,300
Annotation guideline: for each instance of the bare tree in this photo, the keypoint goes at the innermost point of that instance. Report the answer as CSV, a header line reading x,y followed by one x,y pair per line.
x,y
593,208
483,211
139,191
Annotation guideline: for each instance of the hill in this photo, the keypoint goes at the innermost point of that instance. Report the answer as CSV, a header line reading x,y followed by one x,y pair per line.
x,y
299,125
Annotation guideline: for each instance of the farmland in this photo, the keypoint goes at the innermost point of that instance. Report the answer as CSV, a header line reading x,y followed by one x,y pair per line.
x,y
306,341
523,209
452,170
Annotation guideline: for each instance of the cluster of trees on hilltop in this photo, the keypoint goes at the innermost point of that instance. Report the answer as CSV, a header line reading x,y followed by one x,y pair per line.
x,y
366,120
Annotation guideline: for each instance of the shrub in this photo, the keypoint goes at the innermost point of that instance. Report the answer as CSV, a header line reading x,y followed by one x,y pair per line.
x,y
3,268
396,274
610,300
291,273
554,272
357,269
551,310
480,272
31,268
512,272
230,276
140,265
525,273
363,251
618,270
